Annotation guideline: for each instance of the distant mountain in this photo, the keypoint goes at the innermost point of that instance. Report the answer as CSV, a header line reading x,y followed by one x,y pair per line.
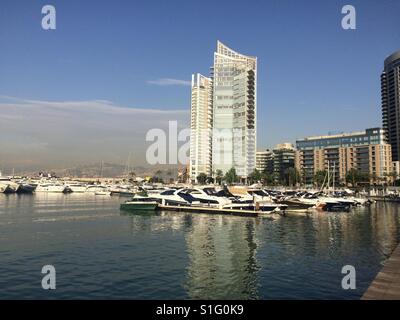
x,y
112,170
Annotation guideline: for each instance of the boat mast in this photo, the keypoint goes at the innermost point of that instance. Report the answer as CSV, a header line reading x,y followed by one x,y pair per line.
x,y
101,169
333,174
328,176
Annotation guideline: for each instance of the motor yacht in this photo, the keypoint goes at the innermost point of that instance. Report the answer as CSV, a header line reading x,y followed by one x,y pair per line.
x,y
50,187
7,185
96,188
76,187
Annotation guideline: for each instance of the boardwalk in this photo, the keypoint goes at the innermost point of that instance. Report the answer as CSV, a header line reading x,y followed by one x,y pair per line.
x,y
386,285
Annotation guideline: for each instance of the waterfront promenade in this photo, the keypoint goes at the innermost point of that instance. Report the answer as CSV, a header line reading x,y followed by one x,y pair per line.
x,y
386,285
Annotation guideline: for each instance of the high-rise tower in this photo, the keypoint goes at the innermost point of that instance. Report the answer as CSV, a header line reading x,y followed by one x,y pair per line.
x,y
390,90
234,111
201,126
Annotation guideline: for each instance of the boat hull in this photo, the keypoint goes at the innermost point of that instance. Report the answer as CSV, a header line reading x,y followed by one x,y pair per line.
x,y
50,189
139,206
26,188
8,188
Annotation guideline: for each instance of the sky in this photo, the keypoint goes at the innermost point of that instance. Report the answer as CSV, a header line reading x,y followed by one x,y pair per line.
x,y
112,70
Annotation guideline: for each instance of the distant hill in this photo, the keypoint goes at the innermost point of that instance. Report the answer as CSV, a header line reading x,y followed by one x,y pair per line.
x,y
111,170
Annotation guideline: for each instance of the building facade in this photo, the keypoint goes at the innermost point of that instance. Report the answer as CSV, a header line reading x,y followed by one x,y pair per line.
x,y
264,161
277,162
234,111
201,126
366,152
390,92
284,159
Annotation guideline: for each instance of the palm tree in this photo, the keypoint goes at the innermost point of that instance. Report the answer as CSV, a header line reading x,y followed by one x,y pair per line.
x,y
231,176
255,176
218,176
202,178
319,177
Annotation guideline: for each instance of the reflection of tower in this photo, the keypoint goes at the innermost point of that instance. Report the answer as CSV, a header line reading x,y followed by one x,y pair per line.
x,y
385,226
222,258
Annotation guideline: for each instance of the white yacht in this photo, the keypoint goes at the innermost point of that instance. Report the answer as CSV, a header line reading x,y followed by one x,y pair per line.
x,y
76,187
256,198
173,197
96,188
102,193
207,196
8,186
50,187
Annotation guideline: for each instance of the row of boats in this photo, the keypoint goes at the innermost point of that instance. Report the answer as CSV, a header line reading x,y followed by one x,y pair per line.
x,y
9,185
239,198
244,199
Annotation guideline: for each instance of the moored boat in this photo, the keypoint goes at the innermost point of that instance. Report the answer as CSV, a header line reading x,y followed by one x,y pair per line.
x,y
26,188
102,193
50,187
8,186
140,204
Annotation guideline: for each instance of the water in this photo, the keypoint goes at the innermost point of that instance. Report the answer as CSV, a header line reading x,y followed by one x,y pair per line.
x,y
99,252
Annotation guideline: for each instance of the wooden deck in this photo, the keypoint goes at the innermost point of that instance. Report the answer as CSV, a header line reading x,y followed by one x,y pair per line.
x,y
386,285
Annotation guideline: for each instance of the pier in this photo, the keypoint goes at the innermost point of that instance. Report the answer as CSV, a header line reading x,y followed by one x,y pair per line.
x,y
386,285
205,209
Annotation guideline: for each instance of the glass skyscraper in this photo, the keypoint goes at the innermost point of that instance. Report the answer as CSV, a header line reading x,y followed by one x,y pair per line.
x,y
390,90
226,105
201,126
234,111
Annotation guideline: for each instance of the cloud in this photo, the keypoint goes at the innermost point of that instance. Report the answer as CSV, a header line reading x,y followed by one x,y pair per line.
x,y
60,134
169,82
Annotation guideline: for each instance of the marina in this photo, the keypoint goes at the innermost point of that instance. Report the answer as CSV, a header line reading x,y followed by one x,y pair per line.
x,y
240,199
100,251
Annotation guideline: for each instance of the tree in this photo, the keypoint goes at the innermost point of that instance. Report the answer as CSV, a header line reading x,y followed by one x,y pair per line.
x,y
354,177
319,177
218,176
292,176
210,180
255,176
375,178
393,177
156,179
202,178
267,178
231,176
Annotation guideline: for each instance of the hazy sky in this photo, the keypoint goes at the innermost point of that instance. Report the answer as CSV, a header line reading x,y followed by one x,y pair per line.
x,y
91,89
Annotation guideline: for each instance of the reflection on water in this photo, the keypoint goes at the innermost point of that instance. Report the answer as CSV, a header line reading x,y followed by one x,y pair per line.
x,y
100,252
222,254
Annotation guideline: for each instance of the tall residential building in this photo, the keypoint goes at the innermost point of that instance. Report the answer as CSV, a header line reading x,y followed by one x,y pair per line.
x,y
234,111
264,161
201,126
284,158
365,151
390,91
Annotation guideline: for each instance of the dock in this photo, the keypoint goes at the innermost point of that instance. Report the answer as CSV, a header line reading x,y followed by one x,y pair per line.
x,y
384,198
213,210
386,285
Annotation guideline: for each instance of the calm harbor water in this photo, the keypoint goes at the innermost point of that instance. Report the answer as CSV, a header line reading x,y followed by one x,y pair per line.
x,y
100,252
